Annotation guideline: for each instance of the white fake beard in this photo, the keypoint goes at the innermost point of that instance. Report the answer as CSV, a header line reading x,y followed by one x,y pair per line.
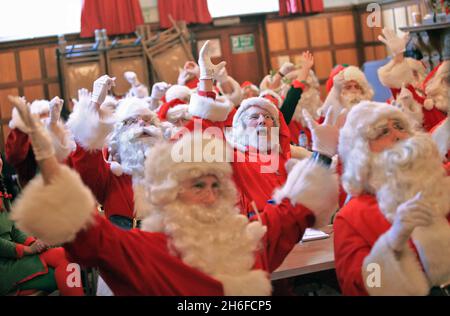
x,y
414,112
310,101
256,138
133,149
411,166
439,96
350,99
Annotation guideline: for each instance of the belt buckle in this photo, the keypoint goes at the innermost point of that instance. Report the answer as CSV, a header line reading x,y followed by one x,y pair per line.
x,y
134,222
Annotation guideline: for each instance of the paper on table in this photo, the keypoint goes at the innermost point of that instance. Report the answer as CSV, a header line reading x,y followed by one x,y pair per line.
x,y
314,234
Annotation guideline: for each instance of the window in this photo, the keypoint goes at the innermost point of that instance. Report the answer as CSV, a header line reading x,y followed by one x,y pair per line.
x,y
221,8
22,19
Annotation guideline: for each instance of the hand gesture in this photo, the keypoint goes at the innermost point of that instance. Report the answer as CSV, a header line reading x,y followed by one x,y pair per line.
x,y
56,105
308,60
101,87
222,75
159,89
396,44
286,68
131,77
339,81
207,68
38,246
325,136
410,214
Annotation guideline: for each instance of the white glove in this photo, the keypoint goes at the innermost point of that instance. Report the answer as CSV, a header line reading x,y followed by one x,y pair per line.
x,y
159,89
40,139
207,69
396,44
409,215
101,87
221,76
286,68
339,81
325,136
56,105
131,77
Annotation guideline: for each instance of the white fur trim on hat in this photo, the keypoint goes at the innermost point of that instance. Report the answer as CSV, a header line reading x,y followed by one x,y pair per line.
x,y
88,129
170,163
40,107
273,94
354,73
260,102
236,96
55,212
314,186
359,123
207,108
131,107
394,75
398,274
178,92
180,110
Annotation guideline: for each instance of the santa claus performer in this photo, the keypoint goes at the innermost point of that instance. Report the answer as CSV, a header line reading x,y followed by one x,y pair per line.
x,y
249,90
436,88
393,237
18,147
346,86
129,133
259,136
138,89
193,230
407,104
189,75
407,71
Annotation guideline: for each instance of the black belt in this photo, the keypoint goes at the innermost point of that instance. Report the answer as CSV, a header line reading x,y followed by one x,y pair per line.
x,y
125,222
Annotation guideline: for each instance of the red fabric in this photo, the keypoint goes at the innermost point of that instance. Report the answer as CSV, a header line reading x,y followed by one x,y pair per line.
x,y
298,84
136,262
192,83
20,155
208,94
431,117
288,7
116,16
20,250
295,128
56,258
29,241
190,11
162,113
113,192
337,69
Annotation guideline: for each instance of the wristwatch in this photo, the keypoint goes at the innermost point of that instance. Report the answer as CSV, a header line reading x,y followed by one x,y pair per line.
x,y
323,159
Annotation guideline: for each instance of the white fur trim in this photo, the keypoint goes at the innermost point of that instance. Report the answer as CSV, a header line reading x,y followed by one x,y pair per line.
x,y
273,94
116,168
178,92
210,109
87,128
298,152
131,107
236,96
253,283
16,122
260,102
63,142
180,110
40,107
441,135
315,187
56,212
393,74
399,275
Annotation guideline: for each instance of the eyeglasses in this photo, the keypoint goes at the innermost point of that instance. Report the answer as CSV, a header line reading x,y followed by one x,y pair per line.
x,y
384,129
147,120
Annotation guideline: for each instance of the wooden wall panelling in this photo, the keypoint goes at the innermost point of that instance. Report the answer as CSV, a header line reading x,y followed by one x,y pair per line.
x,y
276,36
51,61
30,64
32,93
380,52
8,71
369,53
54,90
343,29
347,56
5,113
296,33
323,63
319,32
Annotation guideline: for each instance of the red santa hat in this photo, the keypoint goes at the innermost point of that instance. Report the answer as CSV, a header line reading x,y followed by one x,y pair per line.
x,y
250,85
37,107
260,102
173,106
171,163
178,92
272,96
351,73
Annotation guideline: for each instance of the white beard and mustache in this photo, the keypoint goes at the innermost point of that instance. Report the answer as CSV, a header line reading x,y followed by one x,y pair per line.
x,y
350,99
310,101
256,137
217,240
397,175
414,112
133,149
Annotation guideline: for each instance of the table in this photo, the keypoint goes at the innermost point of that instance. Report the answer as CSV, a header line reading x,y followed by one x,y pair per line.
x,y
308,257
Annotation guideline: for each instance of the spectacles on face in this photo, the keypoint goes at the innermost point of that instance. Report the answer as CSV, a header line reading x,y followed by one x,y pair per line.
x,y
256,116
384,129
144,119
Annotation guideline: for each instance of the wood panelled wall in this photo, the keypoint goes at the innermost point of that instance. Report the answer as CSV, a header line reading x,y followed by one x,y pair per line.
x,y
337,37
28,71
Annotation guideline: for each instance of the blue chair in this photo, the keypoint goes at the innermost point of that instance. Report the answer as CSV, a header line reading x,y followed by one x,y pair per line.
x,y
370,69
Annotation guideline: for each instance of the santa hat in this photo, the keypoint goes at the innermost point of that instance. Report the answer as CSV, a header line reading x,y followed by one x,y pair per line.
x,y
351,73
253,87
173,105
359,125
171,163
178,92
272,96
260,102
37,107
131,107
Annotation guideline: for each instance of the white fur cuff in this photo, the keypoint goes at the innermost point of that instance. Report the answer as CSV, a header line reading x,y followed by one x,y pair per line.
x,y
62,141
87,128
393,75
210,109
315,187
56,212
441,136
384,273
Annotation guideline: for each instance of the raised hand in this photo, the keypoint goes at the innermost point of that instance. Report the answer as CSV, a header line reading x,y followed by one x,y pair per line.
x,y
56,105
286,68
325,136
131,77
207,69
159,89
396,44
101,87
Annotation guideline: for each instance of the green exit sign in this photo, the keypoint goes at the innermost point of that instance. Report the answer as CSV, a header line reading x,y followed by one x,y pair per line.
x,y
243,43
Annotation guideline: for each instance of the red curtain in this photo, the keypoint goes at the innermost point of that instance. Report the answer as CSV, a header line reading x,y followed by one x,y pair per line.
x,y
116,16
288,7
191,11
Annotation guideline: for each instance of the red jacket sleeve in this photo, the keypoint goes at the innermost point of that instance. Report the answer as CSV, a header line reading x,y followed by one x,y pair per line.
x,y
20,155
94,171
286,225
